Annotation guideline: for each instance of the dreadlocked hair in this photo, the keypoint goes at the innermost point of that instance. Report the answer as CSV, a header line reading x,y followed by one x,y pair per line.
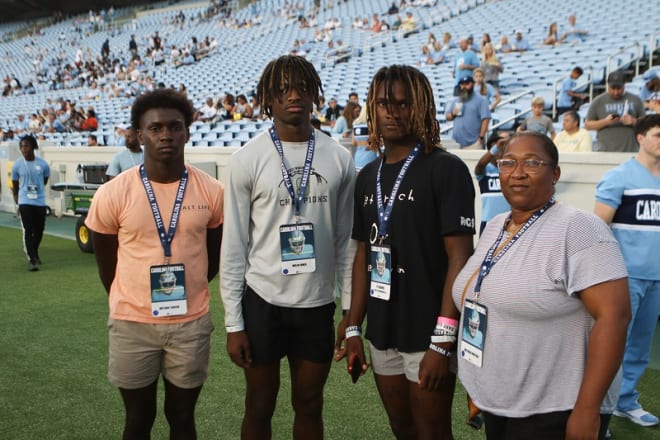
x,y
422,120
284,73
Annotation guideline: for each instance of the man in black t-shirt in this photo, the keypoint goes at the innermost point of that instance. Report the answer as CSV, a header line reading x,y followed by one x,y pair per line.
x,y
427,232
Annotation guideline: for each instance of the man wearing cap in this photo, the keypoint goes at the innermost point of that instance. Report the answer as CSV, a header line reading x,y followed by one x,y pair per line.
x,y
613,114
651,89
471,115
465,62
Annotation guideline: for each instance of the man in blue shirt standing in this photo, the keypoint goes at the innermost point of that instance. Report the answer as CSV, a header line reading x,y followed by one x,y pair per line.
x,y
29,176
465,62
471,116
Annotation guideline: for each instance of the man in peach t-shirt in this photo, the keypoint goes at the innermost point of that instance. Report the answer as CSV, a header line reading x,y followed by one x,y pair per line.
x,y
157,232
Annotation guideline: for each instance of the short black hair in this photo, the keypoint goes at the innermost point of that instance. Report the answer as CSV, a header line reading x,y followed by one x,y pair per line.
x,y
645,123
544,141
161,98
578,69
31,140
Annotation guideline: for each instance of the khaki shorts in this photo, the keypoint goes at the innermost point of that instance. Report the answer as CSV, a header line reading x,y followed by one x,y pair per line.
x,y
392,362
140,352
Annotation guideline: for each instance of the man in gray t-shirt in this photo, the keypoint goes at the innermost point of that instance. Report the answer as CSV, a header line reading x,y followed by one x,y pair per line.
x,y
613,114
128,158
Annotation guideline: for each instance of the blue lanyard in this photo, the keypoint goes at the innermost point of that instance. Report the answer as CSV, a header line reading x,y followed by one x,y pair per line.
x,y
385,212
490,259
307,169
165,237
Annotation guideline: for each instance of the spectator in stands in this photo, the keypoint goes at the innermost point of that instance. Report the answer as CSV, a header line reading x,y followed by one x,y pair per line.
x,y
573,138
394,9
132,46
54,125
90,122
538,122
488,177
485,39
34,126
437,55
553,35
486,90
627,199
21,124
93,141
343,127
425,56
353,97
242,108
651,89
207,112
491,65
377,25
226,107
519,44
504,46
470,114
409,25
568,98
573,34
127,158
613,114
465,61
320,109
256,108
472,44
447,42
333,112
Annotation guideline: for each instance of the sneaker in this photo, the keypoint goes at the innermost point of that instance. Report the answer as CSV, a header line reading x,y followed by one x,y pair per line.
x,y
638,416
34,266
608,434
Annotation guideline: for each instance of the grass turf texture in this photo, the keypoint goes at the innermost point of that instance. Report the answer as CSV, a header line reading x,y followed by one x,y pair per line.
x,y
53,356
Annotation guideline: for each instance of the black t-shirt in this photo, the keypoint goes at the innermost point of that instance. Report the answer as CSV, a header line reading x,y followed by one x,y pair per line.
x,y
436,198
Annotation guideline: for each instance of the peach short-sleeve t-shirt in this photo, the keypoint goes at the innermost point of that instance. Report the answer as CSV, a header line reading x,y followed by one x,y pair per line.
x,y
120,207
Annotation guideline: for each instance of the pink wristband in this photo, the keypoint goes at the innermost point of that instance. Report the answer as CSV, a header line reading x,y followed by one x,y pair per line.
x,y
448,321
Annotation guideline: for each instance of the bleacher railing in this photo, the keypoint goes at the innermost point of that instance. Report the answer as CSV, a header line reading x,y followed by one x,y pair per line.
x,y
625,50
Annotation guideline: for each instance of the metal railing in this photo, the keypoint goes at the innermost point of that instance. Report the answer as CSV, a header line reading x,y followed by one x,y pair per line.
x,y
625,50
652,46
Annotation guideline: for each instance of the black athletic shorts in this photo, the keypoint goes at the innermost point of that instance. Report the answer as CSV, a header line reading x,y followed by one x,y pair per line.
x,y
298,333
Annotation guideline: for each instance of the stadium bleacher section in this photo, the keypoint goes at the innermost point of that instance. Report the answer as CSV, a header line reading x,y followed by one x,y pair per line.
x,y
619,37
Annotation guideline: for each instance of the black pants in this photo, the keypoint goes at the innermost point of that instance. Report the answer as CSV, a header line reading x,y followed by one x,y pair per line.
x,y
550,426
33,219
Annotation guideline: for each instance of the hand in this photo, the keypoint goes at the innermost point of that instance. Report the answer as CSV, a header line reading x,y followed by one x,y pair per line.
x,y
582,425
355,348
238,348
434,374
340,348
461,66
612,119
627,119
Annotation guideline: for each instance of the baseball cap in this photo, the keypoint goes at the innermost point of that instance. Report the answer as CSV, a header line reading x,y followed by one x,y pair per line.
x,y
466,79
615,79
650,75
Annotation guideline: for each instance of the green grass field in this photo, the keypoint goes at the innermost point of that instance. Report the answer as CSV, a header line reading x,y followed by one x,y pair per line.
x,y
53,354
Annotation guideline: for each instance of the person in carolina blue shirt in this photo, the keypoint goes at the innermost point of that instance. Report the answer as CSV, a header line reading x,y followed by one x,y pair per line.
x,y
465,62
566,93
29,176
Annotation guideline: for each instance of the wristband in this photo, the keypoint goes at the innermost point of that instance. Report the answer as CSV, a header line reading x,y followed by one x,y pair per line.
x,y
448,321
440,350
354,328
494,150
444,330
351,333
234,328
439,339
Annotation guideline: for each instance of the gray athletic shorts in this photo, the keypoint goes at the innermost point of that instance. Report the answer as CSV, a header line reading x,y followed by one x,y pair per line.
x,y
392,362
140,352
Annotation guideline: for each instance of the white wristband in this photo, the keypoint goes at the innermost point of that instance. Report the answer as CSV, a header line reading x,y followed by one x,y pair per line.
x,y
443,338
235,328
351,333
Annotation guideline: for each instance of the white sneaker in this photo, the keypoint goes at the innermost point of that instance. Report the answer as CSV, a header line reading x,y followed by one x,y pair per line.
x,y
638,416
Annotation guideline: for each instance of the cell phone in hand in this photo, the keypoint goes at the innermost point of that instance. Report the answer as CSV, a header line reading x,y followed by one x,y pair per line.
x,y
356,369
